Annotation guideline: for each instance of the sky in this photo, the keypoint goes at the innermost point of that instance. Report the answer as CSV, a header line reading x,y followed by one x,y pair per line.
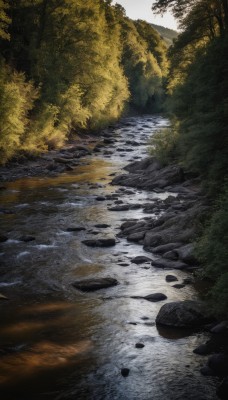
x,y
141,9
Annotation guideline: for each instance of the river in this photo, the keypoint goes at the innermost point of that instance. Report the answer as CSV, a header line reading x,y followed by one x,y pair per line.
x,y
59,343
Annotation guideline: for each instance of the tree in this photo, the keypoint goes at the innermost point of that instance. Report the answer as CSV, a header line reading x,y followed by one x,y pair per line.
x,y
4,20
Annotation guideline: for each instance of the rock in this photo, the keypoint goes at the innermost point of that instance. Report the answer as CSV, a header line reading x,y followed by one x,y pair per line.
x,y
100,198
136,237
139,345
219,364
171,278
76,229
124,207
63,160
105,242
3,238
184,253
168,264
182,314
156,297
102,226
203,349
89,285
125,372
80,147
222,327
140,259
27,238
166,247
222,390
178,286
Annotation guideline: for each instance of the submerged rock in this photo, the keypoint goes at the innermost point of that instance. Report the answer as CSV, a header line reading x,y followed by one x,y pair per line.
x,y
90,285
182,314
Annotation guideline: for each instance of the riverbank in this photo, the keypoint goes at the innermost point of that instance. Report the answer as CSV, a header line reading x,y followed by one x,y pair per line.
x,y
170,235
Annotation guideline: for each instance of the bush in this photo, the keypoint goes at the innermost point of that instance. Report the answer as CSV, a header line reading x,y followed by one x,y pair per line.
x,y
16,100
164,144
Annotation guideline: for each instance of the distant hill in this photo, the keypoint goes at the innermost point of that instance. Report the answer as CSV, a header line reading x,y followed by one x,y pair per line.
x,y
167,34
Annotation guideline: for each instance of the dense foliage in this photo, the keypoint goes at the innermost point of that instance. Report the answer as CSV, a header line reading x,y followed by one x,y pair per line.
x,y
69,66
198,89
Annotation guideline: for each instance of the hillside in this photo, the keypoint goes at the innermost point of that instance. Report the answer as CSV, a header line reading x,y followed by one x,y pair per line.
x,y
167,34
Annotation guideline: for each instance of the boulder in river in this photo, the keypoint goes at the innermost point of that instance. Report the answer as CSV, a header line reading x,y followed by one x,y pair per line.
x,y
171,278
125,372
155,297
90,285
183,314
139,345
140,259
168,264
103,242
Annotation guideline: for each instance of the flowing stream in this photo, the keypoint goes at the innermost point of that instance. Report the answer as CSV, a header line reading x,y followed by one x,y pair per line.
x,y
59,343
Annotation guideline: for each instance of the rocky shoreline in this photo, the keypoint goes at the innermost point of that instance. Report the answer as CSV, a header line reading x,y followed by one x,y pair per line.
x,y
53,162
169,235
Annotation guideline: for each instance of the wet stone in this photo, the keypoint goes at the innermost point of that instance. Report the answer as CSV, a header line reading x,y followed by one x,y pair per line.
x,y
178,286
171,278
125,372
156,297
90,285
102,226
106,242
140,259
75,229
139,345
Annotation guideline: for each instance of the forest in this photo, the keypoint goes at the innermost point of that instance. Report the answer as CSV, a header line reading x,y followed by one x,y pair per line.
x,y
72,66
197,100
75,66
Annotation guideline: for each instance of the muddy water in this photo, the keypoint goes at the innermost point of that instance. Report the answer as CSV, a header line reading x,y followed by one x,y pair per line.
x,y
58,343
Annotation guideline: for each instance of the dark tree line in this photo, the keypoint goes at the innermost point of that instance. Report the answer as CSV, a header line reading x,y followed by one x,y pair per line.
x,y
198,101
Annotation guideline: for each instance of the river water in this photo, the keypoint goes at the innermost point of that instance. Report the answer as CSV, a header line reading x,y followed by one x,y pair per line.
x,y
59,343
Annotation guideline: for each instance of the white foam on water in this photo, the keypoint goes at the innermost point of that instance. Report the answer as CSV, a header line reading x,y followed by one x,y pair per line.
x,y
6,284
22,205
45,246
22,254
12,241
